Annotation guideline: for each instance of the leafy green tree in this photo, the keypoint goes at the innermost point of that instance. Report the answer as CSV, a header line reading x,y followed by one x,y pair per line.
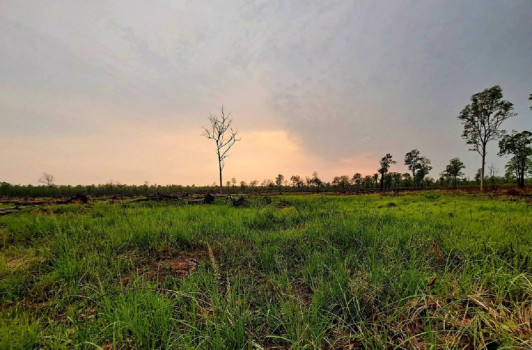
x,y
375,180
482,119
385,163
357,179
407,179
388,181
279,180
315,180
513,170
454,170
423,168
396,179
341,181
367,181
518,144
267,183
418,165
411,159
297,181
443,180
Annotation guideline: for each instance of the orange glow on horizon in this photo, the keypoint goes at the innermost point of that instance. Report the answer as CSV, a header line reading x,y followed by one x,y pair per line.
x,y
133,153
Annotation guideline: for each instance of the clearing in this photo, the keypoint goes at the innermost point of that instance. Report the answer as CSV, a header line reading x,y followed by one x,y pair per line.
x,y
294,271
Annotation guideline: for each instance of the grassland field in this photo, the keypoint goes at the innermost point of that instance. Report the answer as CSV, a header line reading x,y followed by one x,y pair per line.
x,y
423,270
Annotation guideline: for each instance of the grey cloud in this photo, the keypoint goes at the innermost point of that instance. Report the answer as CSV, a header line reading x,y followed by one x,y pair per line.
x,y
336,72
30,59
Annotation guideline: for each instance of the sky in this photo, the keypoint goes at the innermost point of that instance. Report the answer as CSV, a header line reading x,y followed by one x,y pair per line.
x,y
94,91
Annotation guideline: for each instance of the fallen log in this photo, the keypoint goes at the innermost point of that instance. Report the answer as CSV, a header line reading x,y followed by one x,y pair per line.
x,y
28,202
7,211
165,197
240,202
208,199
79,198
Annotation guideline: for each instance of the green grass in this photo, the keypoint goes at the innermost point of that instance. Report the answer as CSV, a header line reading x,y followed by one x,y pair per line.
x,y
304,272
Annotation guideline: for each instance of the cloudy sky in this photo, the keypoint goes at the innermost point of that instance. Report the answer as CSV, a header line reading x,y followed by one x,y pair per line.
x,y
97,90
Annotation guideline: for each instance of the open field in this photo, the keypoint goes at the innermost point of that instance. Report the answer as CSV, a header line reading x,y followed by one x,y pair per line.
x,y
294,271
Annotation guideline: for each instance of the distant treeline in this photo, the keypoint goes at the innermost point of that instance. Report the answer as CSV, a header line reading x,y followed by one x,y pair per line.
x,y
340,184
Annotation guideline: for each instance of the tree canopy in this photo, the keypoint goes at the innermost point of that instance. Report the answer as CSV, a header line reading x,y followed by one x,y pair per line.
x,y
454,170
518,144
418,165
482,120
385,163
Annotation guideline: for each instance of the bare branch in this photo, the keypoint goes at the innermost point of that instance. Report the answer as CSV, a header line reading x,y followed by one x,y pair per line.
x,y
223,135
47,179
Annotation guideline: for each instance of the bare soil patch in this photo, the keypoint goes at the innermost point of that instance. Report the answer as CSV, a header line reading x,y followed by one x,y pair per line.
x,y
160,265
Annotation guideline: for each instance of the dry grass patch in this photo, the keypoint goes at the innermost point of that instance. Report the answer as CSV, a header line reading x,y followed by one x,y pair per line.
x,y
160,265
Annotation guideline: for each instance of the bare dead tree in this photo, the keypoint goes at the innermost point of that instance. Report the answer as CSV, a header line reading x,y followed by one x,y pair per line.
x,y
47,179
492,173
223,135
